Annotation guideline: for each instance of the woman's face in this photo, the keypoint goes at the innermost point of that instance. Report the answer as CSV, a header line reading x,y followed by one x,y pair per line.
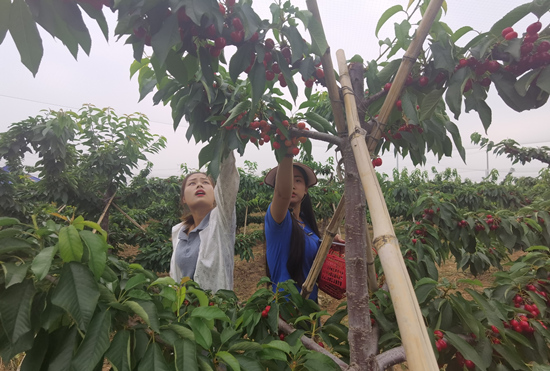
x,y
299,189
198,191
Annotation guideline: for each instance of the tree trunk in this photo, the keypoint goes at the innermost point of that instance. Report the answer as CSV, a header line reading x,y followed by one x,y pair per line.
x,y
361,337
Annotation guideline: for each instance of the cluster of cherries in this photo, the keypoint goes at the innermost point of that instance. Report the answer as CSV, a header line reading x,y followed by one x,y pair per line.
x,y
265,312
267,133
534,52
441,345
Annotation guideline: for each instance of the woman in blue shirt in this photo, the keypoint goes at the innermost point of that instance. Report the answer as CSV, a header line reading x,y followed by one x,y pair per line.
x,y
292,236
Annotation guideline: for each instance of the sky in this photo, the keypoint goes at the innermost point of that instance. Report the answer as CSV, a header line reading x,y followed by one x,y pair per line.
x,y
103,79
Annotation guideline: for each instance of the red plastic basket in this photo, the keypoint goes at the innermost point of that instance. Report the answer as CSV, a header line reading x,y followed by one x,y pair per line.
x,y
332,279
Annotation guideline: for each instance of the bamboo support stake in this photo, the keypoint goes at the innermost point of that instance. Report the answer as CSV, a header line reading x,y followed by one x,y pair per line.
x,y
105,210
371,273
330,232
129,218
418,349
404,69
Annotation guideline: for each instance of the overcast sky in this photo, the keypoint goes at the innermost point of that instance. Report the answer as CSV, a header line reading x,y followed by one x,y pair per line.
x,y
102,79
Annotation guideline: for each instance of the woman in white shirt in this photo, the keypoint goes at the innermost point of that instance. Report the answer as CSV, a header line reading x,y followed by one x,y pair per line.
x,y
204,243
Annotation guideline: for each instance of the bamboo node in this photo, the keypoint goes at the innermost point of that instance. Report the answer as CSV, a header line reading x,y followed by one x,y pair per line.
x,y
413,59
380,241
346,90
358,132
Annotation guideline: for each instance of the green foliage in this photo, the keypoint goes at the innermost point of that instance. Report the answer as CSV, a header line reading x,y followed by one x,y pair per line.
x,y
81,154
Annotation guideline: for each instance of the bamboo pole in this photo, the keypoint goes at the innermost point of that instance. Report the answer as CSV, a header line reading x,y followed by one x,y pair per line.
x,y
420,356
129,218
105,210
330,232
404,69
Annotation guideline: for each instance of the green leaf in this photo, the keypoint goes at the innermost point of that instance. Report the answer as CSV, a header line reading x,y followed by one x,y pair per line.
x,y
249,364
97,250
315,118
430,103
138,279
153,359
4,23
443,56
119,353
25,34
319,44
136,66
454,91
77,293
229,359
297,44
510,19
6,221
167,37
70,245
147,311
165,281
245,345
453,129
209,313
460,32
505,84
185,354
34,358
95,343
14,273
385,16
182,331
279,345
15,309
257,82
493,315
543,81
466,349
315,361
511,356
203,336
240,60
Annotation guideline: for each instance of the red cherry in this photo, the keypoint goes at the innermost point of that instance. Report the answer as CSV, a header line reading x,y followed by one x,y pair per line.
x,y
237,24
321,344
468,86
531,38
182,16
486,81
414,240
264,314
230,2
378,161
220,42
469,364
222,9
534,28
254,37
399,105
140,32
286,52
237,36
266,138
495,329
211,31
269,75
215,52
440,78
506,31
295,151
319,73
423,81
409,80
493,66
309,83
269,44
275,68
438,334
282,80
511,35
301,125
462,63
387,86
543,46
282,336
276,145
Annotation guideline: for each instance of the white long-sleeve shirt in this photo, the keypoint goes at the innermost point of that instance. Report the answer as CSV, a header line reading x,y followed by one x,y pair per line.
x,y
214,270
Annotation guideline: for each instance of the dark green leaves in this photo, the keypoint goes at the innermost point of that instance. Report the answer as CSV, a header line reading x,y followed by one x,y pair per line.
x,y
25,35
385,16
153,360
5,6
95,343
466,349
70,245
510,19
167,37
454,91
185,354
257,80
97,252
119,353
15,309
77,293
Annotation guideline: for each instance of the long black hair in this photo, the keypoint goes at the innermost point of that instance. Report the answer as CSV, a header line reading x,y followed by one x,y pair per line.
x,y
298,238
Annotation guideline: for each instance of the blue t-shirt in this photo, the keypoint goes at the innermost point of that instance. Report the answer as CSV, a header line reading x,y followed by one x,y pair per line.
x,y
277,238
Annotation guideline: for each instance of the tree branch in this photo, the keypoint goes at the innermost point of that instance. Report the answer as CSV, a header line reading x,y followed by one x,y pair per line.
x,y
390,358
316,135
312,345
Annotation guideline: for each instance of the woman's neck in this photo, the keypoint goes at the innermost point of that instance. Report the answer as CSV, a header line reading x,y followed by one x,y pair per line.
x,y
296,211
198,217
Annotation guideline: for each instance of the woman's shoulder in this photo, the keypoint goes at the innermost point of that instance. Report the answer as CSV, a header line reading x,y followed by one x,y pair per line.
x,y
177,227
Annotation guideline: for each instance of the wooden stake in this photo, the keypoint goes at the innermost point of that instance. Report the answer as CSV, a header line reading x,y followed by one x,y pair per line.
x,y
330,232
105,210
420,356
404,69
129,218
